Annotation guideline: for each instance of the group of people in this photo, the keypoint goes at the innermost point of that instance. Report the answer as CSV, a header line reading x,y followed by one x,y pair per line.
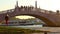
x,y
26,7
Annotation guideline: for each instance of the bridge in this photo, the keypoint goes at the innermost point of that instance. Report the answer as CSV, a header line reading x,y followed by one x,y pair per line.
x,y
49,17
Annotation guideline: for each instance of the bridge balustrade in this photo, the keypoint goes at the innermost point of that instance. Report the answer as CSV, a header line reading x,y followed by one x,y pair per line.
x,y
52,13
40,10
48,12
11,10
3,12
23,9
33,9
44,11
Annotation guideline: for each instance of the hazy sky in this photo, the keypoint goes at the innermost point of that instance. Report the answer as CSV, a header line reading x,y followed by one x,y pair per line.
x,y
44,4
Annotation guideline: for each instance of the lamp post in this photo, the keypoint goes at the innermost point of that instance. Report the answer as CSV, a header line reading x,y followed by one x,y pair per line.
x,y
6,19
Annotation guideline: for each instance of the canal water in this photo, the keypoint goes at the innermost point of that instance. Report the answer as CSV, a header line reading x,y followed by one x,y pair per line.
x,y
29,26
53,30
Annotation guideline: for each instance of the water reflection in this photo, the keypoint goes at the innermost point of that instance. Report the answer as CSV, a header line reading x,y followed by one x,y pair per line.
x,y
33,27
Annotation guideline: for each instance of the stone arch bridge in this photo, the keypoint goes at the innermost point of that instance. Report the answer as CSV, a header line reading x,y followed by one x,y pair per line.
x,y
49,17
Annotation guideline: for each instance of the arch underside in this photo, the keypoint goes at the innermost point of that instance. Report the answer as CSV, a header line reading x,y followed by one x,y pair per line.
x,y
45,20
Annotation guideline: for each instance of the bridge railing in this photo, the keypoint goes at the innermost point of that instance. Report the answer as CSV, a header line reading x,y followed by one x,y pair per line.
x,y
49,12
41,10
33,9
11,10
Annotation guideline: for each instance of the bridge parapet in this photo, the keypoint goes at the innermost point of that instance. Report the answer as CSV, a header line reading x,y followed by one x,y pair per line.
x,y
11,10
31,8
39,10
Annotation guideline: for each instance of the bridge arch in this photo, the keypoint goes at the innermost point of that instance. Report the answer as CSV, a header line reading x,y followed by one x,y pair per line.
x,y
36,13
46,20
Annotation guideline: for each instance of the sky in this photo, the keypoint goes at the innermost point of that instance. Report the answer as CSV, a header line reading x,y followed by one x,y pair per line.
x,y
43,4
